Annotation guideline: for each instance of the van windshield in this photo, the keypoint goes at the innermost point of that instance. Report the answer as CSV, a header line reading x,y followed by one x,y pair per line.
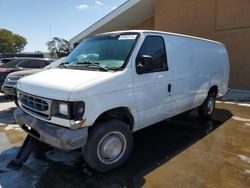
x,y
104,52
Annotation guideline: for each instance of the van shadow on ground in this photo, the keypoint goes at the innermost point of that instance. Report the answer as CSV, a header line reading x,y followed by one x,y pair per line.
x,y
154,146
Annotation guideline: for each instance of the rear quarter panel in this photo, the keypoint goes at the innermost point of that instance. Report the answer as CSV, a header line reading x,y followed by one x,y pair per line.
x,y
196,66
212,68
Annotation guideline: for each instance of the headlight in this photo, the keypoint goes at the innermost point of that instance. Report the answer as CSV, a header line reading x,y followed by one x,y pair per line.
x,y
68,110
12,79
7,80
63,109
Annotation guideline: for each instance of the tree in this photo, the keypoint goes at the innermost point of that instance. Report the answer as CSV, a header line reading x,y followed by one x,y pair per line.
x,y
11,43
59,47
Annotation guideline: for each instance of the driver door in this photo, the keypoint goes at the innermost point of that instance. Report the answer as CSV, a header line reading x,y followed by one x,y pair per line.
x,y
153,88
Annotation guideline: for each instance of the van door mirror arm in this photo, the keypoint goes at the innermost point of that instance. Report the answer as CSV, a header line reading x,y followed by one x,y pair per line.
x,y
139,68
144,64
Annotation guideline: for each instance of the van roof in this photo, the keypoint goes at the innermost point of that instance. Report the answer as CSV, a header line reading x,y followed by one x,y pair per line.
x,y
162,32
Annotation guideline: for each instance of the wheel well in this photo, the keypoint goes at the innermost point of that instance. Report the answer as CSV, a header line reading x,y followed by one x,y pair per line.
x,y
121,113
214,90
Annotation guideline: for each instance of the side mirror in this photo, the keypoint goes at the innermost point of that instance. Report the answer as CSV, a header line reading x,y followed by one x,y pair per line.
x,y
145,64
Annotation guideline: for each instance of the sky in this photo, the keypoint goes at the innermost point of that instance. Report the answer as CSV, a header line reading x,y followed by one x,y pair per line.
x,y
33,18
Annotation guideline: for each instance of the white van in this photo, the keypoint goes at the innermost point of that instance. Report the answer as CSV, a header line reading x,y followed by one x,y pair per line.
x,y
116,83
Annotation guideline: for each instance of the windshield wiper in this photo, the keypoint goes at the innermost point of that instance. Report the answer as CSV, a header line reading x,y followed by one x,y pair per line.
x,y
115,68
87,63
64,64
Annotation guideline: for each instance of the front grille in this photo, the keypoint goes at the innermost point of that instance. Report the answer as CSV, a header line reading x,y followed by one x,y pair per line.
x,y
37,113
35,105
7,88
13,84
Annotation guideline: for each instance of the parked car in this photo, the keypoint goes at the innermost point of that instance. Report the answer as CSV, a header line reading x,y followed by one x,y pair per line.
x,y
6,60
117,83
21,64
9,85
24,54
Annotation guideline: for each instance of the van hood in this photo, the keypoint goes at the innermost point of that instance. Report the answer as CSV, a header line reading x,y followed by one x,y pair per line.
x,y
58,83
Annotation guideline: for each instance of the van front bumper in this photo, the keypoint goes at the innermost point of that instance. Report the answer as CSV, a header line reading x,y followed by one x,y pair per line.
x,y
63,138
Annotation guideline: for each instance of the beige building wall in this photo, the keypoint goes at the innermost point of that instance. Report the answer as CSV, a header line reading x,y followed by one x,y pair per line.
x,y
147,24
192,17
227,21
233,29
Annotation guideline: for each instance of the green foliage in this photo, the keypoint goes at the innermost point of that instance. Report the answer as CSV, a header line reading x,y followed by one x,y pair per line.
x,y
11,43
59,47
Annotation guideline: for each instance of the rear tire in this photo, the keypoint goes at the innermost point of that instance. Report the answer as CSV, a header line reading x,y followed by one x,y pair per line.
x,y
109,145
206,110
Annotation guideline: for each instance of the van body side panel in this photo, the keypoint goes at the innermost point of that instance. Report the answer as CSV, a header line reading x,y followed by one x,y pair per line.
x,y
212,65
197,65
184,72
223,89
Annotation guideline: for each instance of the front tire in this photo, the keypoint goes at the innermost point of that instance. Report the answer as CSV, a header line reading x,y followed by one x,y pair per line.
x,y
206,110
109,145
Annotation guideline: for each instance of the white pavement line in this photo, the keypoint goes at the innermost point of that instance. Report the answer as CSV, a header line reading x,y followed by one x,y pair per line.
x,y
12,127
230,102
244,158
235,103
244,104
4,142
219,102
241,119
247,171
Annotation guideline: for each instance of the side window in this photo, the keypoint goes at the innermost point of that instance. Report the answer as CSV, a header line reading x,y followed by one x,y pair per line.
x,y
154,47
23,64
36,64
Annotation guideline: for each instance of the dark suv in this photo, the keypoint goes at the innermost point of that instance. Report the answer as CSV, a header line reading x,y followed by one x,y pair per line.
x,y
22,64
6,60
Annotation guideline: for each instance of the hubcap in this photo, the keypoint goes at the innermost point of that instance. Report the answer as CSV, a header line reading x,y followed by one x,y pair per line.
x,y
210,105
111,147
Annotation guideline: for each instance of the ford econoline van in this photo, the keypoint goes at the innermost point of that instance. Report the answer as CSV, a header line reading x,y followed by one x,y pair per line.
x,y
114,84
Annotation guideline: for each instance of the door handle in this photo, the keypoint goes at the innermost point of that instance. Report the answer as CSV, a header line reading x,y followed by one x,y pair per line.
x,y
169,88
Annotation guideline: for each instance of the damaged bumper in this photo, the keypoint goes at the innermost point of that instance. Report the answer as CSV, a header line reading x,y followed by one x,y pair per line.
x,y
51,134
